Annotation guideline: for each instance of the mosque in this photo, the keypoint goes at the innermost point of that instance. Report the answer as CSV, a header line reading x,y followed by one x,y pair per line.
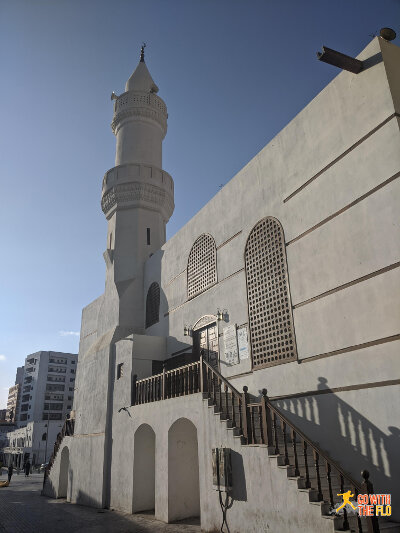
x,y
247,369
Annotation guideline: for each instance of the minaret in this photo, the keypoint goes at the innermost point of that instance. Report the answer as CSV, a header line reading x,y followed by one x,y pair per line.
x,y
137,198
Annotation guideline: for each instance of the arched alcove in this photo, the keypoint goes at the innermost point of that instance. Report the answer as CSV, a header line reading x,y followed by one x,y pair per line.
x,y
64,473
144,469
183,471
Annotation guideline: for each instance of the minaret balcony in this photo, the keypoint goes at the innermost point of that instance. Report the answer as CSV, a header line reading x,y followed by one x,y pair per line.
x,y
137,104
135,184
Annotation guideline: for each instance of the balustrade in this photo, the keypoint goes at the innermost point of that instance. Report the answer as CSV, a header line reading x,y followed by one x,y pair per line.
x,y
259,423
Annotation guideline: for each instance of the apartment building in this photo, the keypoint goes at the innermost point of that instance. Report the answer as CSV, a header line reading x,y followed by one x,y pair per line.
x,y
48,386
14,394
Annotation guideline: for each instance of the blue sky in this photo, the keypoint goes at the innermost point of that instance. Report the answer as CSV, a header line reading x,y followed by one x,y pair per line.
x,y
233,73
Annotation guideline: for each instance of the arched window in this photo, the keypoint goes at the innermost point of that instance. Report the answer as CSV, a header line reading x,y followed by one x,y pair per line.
x,y
202,265
152,304
270,312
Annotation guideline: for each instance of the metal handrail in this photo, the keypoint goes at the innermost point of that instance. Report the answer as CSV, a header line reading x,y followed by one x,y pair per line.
x,y
313,445
224,380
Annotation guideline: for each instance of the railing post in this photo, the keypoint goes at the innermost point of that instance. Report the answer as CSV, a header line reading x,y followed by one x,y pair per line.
x,y
163,383
246,415
203,385
266,419
368,488
133,391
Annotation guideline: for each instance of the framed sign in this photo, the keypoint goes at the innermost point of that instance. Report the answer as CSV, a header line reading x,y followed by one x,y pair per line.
x,y
231,345
243,343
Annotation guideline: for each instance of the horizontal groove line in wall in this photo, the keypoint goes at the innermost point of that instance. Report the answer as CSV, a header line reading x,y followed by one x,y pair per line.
x,y
339,157
350,348
348,284
177,276
231,275
77,435
352,204
228,240
332,390
200,293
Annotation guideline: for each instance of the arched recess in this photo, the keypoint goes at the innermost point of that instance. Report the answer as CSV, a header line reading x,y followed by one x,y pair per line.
x,y
270,310
153,304
183,471
64,473
202,265
144,469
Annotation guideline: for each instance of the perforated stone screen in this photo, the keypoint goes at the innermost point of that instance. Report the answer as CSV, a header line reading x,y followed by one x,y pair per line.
x,y
152,304
202,265
270,312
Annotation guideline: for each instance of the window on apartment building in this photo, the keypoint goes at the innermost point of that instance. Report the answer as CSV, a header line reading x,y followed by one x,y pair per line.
x,y
152,304
72,362
202,266
68,407
120,370
44,436
52,416
270,311
71,389
72,379
72,370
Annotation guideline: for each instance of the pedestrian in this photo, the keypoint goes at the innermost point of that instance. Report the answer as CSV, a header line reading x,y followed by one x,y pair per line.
x,y
10,472
27,468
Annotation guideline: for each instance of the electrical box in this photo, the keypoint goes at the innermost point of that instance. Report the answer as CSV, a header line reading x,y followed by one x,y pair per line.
x,y
222,468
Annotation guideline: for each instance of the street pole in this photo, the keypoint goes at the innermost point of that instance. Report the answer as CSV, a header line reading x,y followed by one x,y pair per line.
x,y
47,435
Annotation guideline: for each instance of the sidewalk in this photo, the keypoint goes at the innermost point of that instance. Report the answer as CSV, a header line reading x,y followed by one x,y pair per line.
x,y
24,510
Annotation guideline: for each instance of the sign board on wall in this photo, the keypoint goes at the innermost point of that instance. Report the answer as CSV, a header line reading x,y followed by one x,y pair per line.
x,y
231,345
243,343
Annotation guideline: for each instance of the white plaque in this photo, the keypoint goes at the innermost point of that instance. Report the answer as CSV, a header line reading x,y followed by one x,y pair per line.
x,y
243,343
231,345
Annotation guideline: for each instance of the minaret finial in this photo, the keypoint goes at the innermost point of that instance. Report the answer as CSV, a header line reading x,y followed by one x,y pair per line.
x,y
142,52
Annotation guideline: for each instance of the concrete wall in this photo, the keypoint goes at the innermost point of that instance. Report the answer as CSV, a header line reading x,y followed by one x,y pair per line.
x,y
262,495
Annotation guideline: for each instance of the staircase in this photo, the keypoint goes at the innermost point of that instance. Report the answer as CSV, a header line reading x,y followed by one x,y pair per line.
x,y
66,431
263,425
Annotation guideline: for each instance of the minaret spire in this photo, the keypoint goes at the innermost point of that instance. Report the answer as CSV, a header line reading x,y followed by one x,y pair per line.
x,y
142,52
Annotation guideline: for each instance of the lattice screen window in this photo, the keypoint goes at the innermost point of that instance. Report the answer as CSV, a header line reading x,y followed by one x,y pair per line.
x,y
152,304
270,312
202,265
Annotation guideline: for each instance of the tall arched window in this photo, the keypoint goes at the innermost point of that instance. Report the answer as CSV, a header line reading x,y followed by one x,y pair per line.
x,y
270,312
152,304
202,265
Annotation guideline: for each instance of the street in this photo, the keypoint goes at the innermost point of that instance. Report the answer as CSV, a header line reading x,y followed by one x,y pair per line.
x,y
24,510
